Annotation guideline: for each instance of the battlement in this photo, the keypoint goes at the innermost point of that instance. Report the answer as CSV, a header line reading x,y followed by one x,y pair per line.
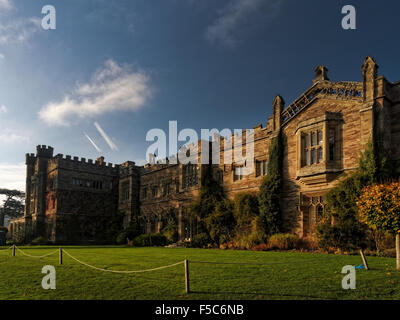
x,y
97,163
30,159
44,151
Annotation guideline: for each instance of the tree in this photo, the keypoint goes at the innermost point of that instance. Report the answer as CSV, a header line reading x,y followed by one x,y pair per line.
x,y
13,206
271,188
347,232
379,208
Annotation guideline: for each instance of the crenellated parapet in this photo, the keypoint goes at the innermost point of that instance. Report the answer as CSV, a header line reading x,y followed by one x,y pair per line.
x,y
43,151
85,164
30,159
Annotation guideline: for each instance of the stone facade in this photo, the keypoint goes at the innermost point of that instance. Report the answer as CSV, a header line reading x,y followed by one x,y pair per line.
x,y
325,129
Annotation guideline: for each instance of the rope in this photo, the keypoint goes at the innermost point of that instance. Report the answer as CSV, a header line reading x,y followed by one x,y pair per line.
x,y
31,256
116,271
239,263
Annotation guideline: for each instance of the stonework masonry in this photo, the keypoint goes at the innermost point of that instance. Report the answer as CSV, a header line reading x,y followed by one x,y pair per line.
x,y
325,129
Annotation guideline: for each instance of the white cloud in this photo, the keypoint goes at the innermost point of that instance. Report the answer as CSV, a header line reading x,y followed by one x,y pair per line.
x,y
12,176
227,27
18,30
5,5
13,138
3,109
112,88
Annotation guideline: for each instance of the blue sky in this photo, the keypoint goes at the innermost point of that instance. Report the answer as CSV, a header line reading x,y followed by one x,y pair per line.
x,y
122,68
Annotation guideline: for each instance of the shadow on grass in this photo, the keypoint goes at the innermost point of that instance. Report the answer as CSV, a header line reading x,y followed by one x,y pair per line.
x,y
262,294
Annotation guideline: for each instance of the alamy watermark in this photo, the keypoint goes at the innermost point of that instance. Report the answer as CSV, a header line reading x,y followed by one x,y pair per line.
x,y
237,147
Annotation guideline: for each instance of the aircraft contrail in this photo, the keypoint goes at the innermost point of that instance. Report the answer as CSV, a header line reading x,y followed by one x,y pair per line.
x,y
92,142
110,143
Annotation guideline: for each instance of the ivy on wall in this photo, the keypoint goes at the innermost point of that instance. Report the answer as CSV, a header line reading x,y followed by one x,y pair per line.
x,y
269,197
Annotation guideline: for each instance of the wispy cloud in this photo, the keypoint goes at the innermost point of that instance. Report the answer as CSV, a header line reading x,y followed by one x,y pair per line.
x,y
12,138
12,176
6,5
92,142
3,109
112,88
18,30
110,143
227,28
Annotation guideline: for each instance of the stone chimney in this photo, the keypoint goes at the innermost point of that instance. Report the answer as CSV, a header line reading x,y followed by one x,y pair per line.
x,y
100,160
321,74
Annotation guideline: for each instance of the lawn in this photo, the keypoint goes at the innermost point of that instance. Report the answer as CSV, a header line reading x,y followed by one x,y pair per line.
x,y
273,275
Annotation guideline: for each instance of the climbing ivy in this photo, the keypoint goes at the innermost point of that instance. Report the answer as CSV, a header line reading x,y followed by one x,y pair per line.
x,y
269,197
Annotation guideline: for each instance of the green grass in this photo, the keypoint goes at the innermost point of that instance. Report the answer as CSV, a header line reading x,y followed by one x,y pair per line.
x,y
283,275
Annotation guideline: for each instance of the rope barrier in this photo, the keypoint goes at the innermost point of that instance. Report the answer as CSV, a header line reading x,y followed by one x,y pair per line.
x,y
5,250
116,271
31,256
235,263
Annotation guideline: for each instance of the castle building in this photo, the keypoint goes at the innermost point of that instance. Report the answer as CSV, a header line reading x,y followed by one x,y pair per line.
x,y
326,128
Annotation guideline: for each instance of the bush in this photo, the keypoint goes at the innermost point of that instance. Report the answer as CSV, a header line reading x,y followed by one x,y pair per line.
x,y
256,235
4,229
383,240
149,240
39,241
261,247
171,234
245,208
122,238
220,223
284,241
200,240
389,253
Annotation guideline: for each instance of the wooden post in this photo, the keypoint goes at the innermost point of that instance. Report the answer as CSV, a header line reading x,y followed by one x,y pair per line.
x,y
60,255
363,259
187,276
13,250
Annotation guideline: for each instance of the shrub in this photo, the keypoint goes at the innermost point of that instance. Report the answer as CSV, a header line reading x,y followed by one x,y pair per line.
x,y
149,240
122,238
245,210
383,240
200,240
39,241
389,253
171,234
261,247
284,241
220,222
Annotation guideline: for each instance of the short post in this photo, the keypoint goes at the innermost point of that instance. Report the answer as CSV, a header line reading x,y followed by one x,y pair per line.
x,y
13,250
187,276
363,259
60,255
